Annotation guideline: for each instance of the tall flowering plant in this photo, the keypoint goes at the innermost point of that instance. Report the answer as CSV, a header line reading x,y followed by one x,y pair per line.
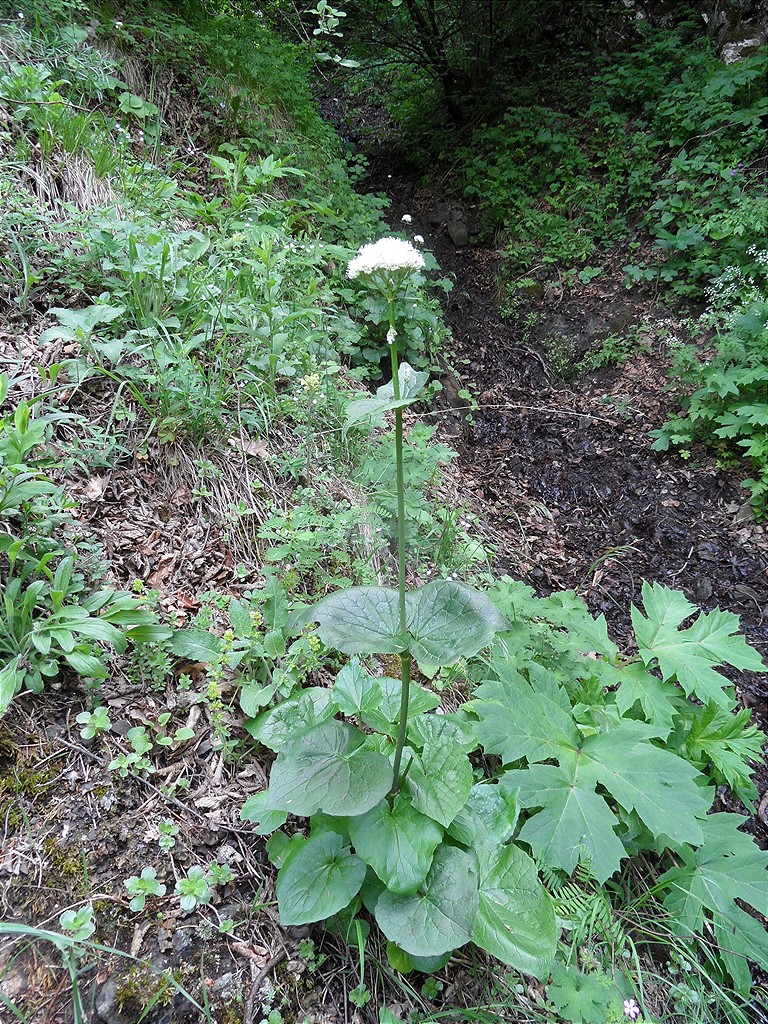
x,y
397,822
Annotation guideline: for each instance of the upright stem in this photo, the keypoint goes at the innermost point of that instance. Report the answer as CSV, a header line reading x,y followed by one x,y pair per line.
x,y
405,658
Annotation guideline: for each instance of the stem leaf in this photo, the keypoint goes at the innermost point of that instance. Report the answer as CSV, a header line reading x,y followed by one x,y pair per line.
x,y
361,620
329,769
321,879
448,620
441,915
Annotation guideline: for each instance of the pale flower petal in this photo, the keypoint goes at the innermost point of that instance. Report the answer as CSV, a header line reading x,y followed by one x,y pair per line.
x,y
386,254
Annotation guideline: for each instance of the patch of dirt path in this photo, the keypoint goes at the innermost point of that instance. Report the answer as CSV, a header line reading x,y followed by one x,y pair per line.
x,y
563,476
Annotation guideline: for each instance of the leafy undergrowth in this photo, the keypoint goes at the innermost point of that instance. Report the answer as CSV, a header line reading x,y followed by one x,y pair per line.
x,y
189,483
666,143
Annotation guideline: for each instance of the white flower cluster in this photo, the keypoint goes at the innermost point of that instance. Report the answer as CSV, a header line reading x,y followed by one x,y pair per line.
x,y
387,254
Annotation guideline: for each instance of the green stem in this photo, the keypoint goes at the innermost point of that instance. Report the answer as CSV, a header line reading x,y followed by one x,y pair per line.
x,y
405,673
405,658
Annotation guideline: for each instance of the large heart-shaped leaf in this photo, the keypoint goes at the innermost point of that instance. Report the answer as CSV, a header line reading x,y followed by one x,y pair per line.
x,y
361,620
411,384
397,843
282,724
385,715
439,781
441,915
318,881
487,818
448,620
329,769
515,921
265,821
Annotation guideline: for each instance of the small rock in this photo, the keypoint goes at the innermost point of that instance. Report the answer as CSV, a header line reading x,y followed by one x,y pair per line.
x,y
107,1009
224,986
182,940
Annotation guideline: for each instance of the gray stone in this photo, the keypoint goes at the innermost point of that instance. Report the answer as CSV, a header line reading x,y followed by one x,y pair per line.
x,y
106,1006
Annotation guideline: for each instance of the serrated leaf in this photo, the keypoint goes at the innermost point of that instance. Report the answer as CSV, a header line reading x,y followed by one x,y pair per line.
x,y
515,721
281,725
240,619
728,743
275,605
448,620
411,384
689,655
439,781
329,769
516,920
657,784
441,916
581,998
397,842
728,866
361,620
657,698
320,880
574,823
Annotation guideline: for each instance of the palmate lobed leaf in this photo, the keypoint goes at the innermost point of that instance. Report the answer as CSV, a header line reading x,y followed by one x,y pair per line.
x,y
727,866
660,786
573,824
689,655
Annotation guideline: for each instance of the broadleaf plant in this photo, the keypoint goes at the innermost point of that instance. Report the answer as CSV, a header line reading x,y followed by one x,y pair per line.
x,y
397,820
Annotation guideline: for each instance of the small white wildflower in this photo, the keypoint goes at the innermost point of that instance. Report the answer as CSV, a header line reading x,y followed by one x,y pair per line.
x,y
386,254
118,24
418,239
406,218
631,1009
391,336
20,16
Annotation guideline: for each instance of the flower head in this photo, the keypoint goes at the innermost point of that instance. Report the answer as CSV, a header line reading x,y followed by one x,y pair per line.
x,y
388,254
418,239
631,1009
406,218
